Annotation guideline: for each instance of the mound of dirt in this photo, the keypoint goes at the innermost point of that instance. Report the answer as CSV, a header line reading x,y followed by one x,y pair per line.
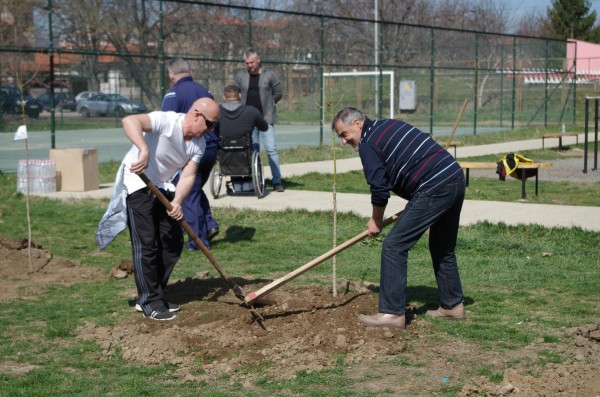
x,y
299,333
27,277
305,329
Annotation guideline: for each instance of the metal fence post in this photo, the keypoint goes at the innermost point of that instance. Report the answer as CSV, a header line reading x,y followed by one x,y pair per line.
x,y
161,50
51,59
514,84
249,28
587,131
574,82
546,87
380,76
502,86
585,137
431,81
322,70
595,134
476,85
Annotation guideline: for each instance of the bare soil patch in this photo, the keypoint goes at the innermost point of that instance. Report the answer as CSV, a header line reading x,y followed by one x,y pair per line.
x,y
24,280
306,329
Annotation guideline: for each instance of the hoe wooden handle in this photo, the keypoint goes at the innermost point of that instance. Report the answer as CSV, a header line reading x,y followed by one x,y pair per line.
x,y
253,296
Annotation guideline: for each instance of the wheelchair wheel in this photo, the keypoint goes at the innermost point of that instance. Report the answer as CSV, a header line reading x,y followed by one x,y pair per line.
x,y
215,180
258,178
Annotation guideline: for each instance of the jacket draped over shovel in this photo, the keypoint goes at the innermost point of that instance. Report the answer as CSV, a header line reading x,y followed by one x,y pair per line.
x,y
114,220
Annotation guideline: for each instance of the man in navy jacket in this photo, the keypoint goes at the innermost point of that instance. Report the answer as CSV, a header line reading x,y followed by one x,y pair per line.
x,y
179,99
398,157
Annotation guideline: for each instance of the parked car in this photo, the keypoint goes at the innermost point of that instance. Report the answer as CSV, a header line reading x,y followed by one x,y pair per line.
x,y
105,104
11,101
125,106
84,95
64,100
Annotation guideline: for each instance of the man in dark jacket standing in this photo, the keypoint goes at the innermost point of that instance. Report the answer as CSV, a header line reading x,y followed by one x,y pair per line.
x,y
398,157
179,99
261,89
239,120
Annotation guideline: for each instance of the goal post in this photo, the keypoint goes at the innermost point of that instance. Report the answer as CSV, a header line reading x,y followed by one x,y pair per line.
x,y
331,94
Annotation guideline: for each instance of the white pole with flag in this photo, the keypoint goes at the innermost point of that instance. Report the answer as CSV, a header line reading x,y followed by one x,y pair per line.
x,y
20,135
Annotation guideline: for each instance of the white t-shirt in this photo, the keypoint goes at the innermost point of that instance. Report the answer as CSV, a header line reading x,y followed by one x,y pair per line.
x,y
169,151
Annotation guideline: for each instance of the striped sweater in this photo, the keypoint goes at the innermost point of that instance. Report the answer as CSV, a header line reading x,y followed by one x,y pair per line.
x,y
399,157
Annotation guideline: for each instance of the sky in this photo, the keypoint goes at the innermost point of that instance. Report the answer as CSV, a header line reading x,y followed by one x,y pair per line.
x,y
527,6
524,7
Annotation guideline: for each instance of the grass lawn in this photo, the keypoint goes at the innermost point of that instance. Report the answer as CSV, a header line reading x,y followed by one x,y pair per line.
x,y
526,287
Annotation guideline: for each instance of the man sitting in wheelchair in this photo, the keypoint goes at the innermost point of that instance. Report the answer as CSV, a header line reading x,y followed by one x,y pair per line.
x,y
236,125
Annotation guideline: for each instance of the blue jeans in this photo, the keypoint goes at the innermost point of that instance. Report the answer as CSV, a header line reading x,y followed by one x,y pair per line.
x,y
268,138
440,213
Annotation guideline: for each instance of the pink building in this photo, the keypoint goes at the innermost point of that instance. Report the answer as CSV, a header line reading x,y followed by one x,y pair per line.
x,y
587,56
582,61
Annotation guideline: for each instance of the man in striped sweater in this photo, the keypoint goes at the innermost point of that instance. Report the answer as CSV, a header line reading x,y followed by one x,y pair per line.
x,y
398,157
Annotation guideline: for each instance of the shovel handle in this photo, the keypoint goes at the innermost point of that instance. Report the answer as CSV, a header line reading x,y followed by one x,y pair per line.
x,y
161,197
462,110
253,296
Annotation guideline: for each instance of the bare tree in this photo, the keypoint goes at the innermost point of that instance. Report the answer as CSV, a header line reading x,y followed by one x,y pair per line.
x,y
78,28
532,24
17,30
131,28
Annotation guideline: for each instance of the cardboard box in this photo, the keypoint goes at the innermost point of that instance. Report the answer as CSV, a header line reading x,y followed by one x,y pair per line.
x,y
76,169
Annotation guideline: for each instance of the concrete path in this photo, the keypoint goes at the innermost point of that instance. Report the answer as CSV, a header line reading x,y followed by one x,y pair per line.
x,y
474,211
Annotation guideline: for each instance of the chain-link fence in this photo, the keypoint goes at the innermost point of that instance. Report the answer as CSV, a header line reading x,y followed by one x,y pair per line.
x,y
419,73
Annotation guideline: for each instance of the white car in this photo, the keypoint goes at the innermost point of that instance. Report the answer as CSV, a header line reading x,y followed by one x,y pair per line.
x,y
105,104
84,95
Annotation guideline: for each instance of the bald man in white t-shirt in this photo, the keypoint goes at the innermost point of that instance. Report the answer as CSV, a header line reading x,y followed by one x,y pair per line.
x,y
163,142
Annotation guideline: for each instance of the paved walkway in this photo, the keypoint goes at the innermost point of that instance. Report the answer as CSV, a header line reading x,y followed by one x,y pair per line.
x,y
511,213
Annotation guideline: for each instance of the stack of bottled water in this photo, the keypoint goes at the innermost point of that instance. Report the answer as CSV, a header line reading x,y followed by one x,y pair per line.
x,y
41,176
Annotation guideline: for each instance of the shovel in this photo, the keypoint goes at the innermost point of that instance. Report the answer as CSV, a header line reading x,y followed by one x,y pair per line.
x,y
237,290
253,296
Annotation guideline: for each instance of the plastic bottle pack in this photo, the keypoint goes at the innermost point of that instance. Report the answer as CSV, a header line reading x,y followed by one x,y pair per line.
x,y
40,175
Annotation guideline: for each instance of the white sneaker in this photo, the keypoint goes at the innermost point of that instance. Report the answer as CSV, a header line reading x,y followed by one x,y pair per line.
x,y
173,307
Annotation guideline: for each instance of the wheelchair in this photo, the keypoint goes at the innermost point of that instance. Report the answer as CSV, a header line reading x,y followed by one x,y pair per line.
x,y
236,158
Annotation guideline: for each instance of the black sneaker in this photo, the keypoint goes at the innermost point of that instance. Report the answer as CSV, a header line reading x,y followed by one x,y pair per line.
x,y
278,187
212,233
161,314
173,307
